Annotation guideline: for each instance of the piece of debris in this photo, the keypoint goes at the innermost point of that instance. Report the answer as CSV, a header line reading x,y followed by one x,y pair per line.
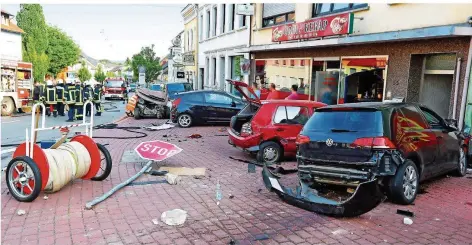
x,y
339,232
160,127
194,136
155,221
251,168
45,197
406,213
351,190
217,203
407,221
174,217
261,237
437,219
158,173
21,212
232,242
183,171
231,196
172,178
222,129
164,136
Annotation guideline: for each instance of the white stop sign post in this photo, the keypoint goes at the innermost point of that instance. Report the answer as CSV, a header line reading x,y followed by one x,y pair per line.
x,y
157,150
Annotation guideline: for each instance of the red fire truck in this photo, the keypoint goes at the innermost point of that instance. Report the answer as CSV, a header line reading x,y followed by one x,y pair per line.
x,y
16,86
114,88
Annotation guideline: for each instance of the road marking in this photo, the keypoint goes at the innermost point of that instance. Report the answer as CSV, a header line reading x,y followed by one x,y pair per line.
x,y
11,121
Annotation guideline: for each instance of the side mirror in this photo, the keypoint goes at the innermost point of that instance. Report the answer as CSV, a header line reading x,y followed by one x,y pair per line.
x,y
451,123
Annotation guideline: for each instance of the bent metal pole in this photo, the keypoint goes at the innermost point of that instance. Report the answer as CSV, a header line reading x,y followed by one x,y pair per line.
x,y
100,199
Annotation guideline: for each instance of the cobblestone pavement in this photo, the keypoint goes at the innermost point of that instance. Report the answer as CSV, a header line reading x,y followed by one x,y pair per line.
x,y
443,212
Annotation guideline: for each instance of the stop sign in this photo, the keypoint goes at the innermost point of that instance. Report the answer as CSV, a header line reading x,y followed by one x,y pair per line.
x,y
156,150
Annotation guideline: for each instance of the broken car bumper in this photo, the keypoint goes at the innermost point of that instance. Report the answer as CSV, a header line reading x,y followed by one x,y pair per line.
x,y
366,197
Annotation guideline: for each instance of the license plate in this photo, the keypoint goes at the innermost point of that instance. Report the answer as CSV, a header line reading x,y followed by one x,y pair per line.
x,y
114,95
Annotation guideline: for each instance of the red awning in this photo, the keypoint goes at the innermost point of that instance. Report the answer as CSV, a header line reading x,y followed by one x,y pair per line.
x,y
368,62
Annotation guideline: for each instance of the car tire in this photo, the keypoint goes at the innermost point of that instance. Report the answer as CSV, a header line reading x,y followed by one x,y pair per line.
x,y
8,106
407,172
184,120
137,114
462,164
269,152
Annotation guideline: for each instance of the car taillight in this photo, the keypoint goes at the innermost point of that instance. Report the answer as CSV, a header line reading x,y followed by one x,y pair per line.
x,y
302,139
374,142
176,102
246,129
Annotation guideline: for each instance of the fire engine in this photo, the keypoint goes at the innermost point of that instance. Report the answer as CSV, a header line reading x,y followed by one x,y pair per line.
x,y
16,86
114,88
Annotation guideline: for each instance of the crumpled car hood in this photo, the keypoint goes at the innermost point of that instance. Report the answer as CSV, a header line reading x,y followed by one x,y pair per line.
x,y
157,97
366,197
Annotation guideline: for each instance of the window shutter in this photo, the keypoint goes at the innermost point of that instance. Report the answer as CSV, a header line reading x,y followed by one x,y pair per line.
x,y
271,9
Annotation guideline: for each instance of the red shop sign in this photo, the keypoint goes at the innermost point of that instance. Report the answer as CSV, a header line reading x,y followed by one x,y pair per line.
x,y
318,27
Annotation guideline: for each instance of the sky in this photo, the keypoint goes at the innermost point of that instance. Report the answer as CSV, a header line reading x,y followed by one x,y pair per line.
x,y
115,32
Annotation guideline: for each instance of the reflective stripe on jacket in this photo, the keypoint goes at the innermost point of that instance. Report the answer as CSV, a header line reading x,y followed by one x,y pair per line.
x,y
51,95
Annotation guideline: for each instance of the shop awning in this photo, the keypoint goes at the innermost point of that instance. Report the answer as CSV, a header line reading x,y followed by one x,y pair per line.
x,y
393,36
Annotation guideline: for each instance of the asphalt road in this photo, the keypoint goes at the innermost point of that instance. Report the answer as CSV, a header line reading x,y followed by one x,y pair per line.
x,y
13,128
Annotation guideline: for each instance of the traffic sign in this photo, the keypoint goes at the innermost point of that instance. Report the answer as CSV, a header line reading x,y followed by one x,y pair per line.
x,y
157,150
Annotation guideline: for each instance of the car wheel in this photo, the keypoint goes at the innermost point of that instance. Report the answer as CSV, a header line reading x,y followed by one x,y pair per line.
x,y
184,120
8,106
404,185
269,152
461,170
137,114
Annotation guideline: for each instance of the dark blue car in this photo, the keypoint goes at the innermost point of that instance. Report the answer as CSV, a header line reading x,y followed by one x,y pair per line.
x,y
204,107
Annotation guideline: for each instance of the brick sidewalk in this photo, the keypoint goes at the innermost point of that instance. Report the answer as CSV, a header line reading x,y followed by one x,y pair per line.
x,y
443,213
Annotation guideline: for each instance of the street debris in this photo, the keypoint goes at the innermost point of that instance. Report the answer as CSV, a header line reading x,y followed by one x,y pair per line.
x,y
21,212
261,237
406,213
251,168
45,197
155,221
222,130
194,136
339,232
219,193
407,221
183,171
158,173
174,217
232,242
100,199
160,127
231,196
172,179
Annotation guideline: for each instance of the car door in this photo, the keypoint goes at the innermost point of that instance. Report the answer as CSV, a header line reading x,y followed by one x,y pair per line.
x,y
195,103
449,151
288,121
413,136
218,107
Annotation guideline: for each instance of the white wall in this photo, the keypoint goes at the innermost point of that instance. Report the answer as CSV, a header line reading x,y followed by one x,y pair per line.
x,y
223,44
10,44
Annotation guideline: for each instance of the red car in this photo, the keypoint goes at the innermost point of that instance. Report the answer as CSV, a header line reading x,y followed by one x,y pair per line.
x,y
269,128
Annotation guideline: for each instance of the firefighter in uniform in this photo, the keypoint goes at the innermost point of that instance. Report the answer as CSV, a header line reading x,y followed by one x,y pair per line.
x,y
51,98
79,101
60,97
69,99
88,96
97,97
38,93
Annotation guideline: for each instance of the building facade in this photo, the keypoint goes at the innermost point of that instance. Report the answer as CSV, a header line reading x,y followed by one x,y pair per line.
x,y
190,44
220,33
354,52
10,38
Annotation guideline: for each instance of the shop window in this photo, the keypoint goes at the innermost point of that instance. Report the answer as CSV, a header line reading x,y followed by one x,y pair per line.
x,y
320,9
284,62
277,13
292,62
302,62
276,62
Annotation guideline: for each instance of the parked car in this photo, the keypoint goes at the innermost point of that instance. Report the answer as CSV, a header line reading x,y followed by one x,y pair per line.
x,y
204,107
395,144
269,128
174,88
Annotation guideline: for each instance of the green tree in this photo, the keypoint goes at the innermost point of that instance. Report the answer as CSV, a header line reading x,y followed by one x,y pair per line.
x,y
110,74
99,74
84,73
31,19
62,50
147,58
